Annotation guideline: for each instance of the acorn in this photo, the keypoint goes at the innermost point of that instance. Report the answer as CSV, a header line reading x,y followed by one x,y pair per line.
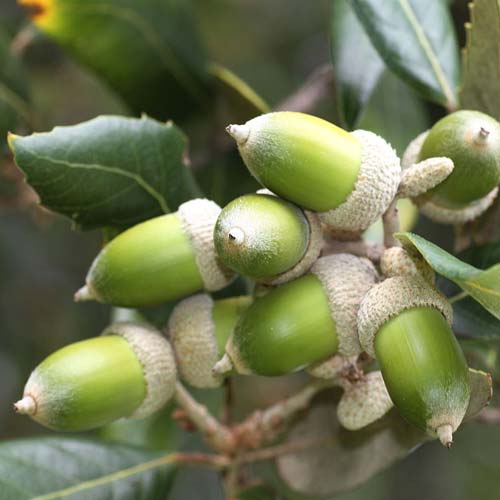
x,y
471,140
302,321
405,324
199,328
350,178
165,258
129,371
267,239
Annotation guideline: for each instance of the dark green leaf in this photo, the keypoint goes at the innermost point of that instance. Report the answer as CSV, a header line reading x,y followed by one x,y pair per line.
x,y
356,64
49,468
395,112
149,52
13,90
258,493
338,460
483,286
109,171
417,41
481,59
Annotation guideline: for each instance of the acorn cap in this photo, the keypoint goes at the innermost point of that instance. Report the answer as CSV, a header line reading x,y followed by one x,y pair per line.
x,y
423,176
396,261
157,360
363,401
392,296
375,188
198,218
345,279
192,334
457,215
412,152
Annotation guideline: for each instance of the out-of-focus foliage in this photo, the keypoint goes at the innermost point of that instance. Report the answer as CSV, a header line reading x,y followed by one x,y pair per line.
x,y
481,59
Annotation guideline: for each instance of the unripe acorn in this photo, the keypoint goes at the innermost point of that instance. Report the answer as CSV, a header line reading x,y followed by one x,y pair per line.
x,y
351,178
127,372
303,321
199,328
267,239
165,258
471,140
405,324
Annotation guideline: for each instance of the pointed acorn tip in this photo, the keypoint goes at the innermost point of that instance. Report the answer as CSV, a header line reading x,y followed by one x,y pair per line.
x,y
25,406
445,435
239,133
223,366
83,294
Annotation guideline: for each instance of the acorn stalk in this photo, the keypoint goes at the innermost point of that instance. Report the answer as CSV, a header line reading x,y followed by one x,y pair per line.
x,y
350,178
266,238
162,259
127,372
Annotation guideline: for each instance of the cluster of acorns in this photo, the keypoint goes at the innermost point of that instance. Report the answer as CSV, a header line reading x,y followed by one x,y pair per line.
x,y
307,312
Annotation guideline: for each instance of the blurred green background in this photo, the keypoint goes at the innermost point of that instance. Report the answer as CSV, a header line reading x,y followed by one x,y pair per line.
x,y
273,46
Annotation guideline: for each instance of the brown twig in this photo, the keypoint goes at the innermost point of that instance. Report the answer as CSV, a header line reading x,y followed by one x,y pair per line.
x,y
314,89
372,251
220,437
265,426
489,416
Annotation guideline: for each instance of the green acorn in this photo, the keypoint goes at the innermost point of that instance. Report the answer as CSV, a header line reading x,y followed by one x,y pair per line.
x,y
351,178
471,140
199,328
162,259
303,321
127,372
267,239
405,324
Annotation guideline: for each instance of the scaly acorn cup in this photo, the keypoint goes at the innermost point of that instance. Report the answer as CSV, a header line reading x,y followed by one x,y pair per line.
x,y
405,324
396,261
351,178
127,372
471,140
165,258
267,239
302,321
363,402
199,328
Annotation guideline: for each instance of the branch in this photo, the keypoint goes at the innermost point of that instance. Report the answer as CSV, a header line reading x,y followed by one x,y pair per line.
x,y
489,416
315,88
264,426
391,224
219,436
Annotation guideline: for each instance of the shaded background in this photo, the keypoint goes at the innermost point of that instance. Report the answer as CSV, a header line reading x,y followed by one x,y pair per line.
x,y
273,46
